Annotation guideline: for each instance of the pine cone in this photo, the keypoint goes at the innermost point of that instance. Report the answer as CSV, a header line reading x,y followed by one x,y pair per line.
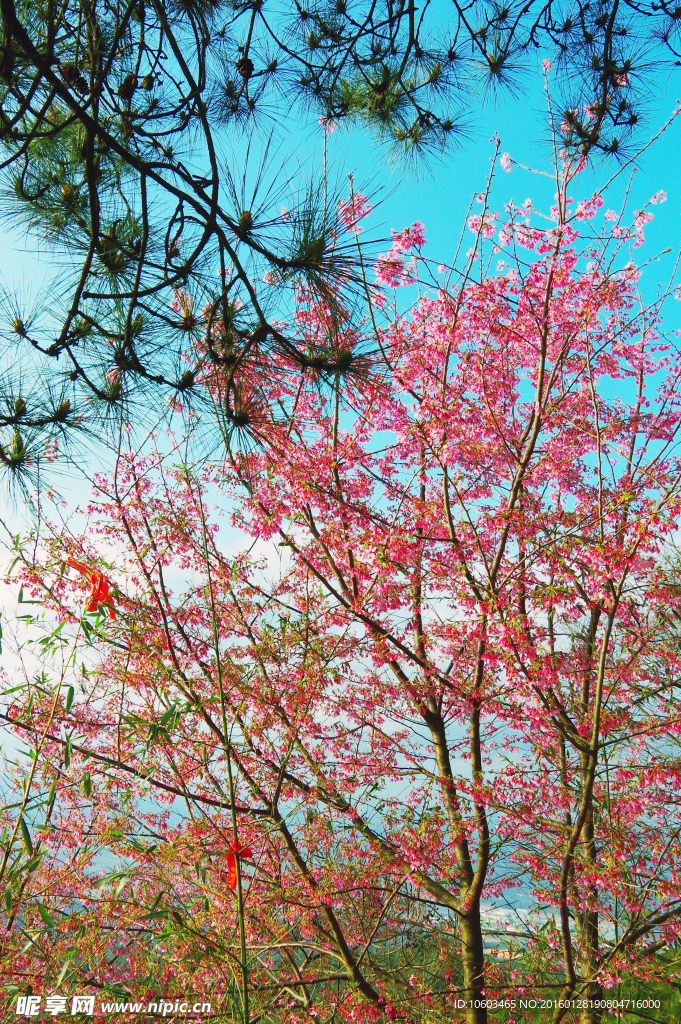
x,y
245,67
126,89
73,77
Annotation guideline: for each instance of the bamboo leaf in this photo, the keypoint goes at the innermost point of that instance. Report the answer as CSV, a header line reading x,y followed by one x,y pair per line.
x,y
62,973
45,916
26,835
168,715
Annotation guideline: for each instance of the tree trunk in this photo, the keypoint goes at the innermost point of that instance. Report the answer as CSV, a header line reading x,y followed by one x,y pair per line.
x,y
473,959
590,1015
589,927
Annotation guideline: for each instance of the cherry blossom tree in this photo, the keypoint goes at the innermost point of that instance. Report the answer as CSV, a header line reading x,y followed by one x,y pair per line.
x,y
339,789
490,513
179,838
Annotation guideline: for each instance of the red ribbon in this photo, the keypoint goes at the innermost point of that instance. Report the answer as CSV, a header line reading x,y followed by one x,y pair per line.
x,y
235,850
99,587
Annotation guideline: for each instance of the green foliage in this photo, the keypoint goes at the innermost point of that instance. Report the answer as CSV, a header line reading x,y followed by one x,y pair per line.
x,y
26,836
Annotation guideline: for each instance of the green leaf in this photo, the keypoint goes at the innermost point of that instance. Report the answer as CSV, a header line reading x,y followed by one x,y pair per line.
x,y
34,863
157,900
117,876
67,752
87,784
69,699
62,973
26,835
155,915
45,916
13,689
8,897
168,715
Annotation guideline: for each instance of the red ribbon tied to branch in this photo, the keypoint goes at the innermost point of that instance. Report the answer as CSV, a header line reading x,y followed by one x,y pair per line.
x,y
233,851
99,587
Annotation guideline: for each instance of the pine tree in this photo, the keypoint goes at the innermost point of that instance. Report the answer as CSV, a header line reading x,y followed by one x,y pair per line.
x,y
114,120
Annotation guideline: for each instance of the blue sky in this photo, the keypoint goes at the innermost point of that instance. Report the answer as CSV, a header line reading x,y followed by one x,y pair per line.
x,y
440,197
